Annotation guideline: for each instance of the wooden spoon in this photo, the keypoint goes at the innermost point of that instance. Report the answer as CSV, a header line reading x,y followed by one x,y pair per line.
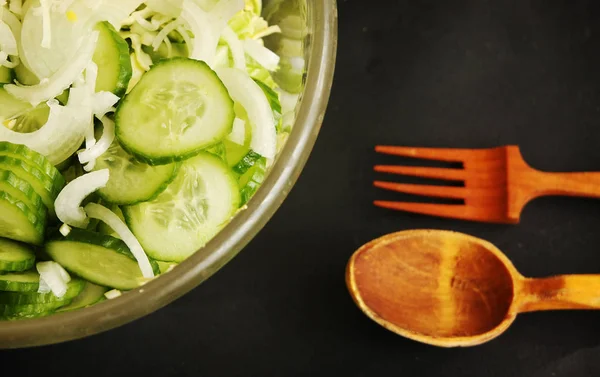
x,y
449,289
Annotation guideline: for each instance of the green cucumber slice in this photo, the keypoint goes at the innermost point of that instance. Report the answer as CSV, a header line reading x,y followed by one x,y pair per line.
x,y
248,161
45,187
251,180
90,295
132,181
18,222
6,75
178,108
74,288
36,160
23,191
101,259
112,58
15,257
165,266
199,202
30,309
27,281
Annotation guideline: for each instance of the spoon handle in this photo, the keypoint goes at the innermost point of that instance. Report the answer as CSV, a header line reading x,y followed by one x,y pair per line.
x,y
559,292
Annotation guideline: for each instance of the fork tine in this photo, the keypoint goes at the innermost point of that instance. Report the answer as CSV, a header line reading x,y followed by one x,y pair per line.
x,y
441,154
424,190
454,211
423,172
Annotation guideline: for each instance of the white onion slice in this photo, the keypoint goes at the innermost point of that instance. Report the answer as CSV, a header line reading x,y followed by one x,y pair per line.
x,y
68,202
261,54
162,35
238,132
59,81
62,134
46,26
54,276
15,6
102,213
250,96
113,293
237,48
64,230
90,155
206,37
8,42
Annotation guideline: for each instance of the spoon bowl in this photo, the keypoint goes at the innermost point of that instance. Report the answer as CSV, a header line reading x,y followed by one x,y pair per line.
x,y
450,289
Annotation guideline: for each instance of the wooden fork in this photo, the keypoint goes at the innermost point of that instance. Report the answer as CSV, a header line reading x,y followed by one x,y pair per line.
x,y
498,183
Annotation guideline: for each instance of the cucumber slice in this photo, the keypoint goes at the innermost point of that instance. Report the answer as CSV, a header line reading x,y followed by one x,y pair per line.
x,y
28,281
15,257
74,288
23,191
90,295
30,309
34,159
103,260
198,203
248,161
132,181
18,222
219,150
45,187
177,109
165,266
251,180
112,58
6,75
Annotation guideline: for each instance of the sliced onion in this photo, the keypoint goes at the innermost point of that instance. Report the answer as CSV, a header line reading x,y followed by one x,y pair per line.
x,y
90,155
113,293
68,202
44,287
261,54
59,81
8,42
206,37
60,137
15,6
105,215
13,22
103,102
224,10
163,34
236,46
54,276
250,96
238,132
64,230
46,27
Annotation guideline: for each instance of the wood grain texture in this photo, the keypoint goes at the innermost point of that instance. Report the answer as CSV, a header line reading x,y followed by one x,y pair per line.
x,y
450,289
498,183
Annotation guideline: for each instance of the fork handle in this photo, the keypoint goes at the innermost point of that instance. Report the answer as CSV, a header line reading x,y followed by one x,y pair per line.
x,y
584,184
559,293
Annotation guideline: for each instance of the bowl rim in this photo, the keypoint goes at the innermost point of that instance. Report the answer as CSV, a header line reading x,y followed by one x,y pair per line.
x,y
233,238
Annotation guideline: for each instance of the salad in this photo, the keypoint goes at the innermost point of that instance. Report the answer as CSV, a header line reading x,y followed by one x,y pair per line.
x,y
132,132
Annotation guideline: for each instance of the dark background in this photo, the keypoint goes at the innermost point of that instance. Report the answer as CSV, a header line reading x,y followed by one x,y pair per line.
x,y
423,73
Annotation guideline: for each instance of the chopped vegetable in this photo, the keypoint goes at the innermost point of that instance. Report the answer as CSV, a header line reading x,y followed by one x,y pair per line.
x,y
131,132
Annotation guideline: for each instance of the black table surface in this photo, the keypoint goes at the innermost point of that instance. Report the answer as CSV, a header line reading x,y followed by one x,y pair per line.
x,y
462,73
